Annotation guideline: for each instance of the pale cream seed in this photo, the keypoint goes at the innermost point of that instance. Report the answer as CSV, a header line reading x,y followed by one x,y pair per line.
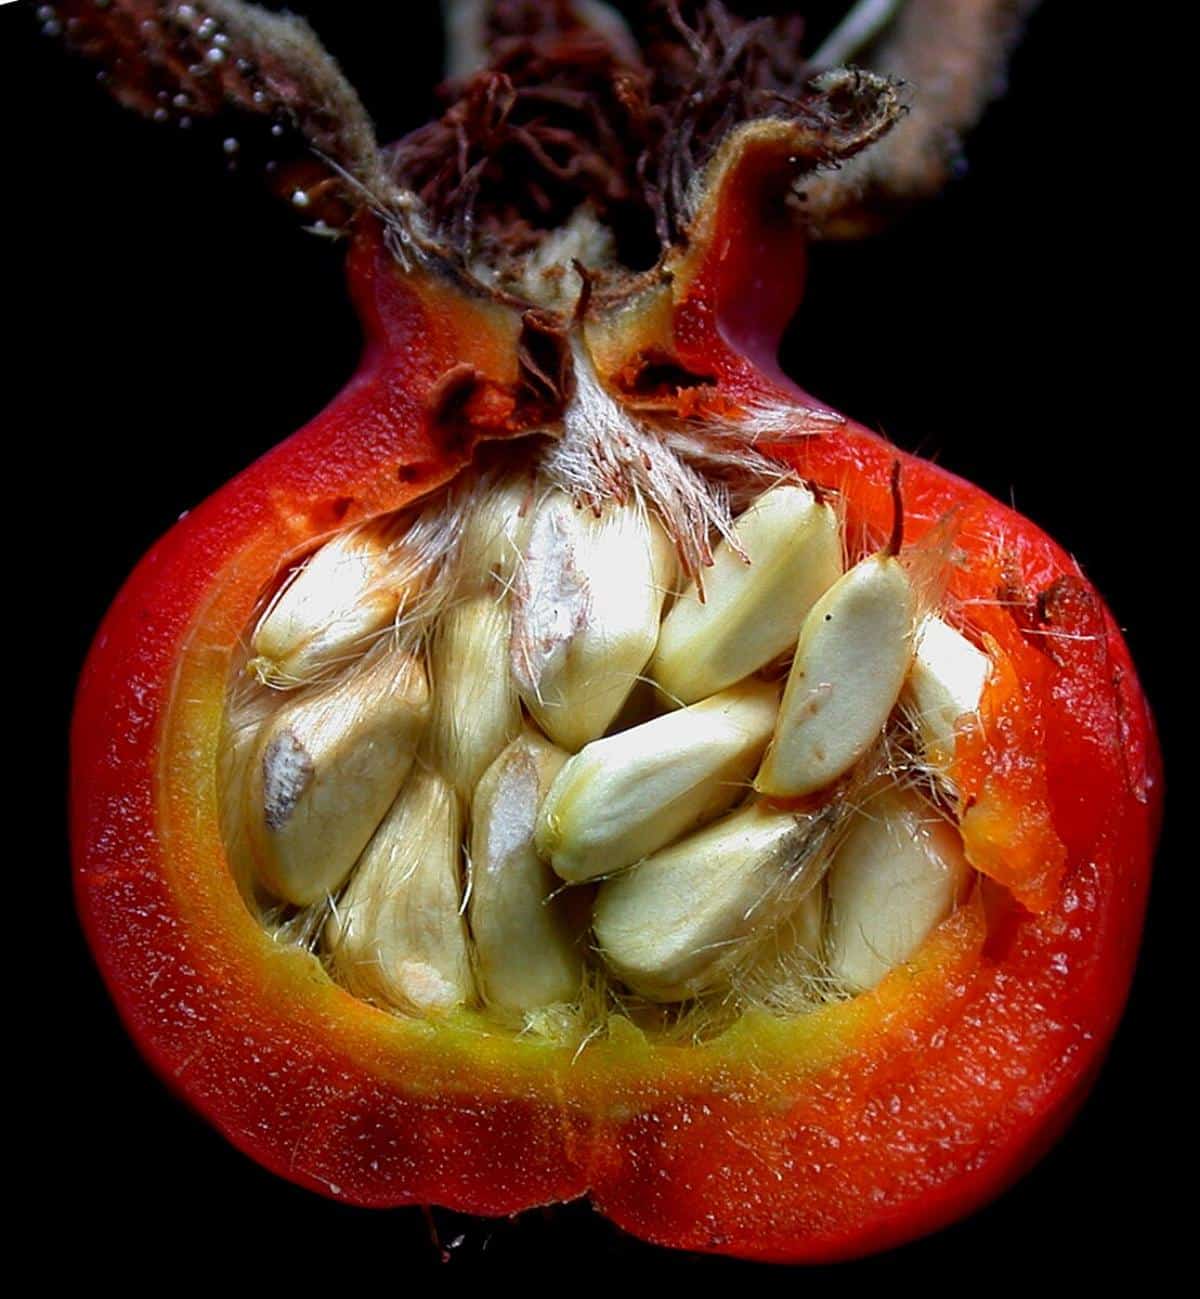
x,y
945,684
476,710
898,874
630,794
587,598
753,606
671,925
850,663
495,533
341,596
529,951
326,768
397,935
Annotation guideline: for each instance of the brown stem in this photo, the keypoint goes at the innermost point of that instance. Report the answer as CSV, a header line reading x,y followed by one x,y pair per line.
x,y
570,111
952,55
465,25
168,58
897,538
860,27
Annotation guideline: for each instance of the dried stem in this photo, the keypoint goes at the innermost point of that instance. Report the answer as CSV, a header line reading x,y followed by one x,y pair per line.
x,y
953,54
855,32
582,106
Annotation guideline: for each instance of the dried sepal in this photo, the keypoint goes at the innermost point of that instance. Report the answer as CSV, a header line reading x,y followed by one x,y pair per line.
x,y
569,102
475,28
203,56
590,110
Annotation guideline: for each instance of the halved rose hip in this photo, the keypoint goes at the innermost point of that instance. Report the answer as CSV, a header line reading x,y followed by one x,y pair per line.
x,y
578,759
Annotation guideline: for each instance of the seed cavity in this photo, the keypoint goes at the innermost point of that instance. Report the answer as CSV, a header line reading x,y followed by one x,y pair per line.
x,y
507,757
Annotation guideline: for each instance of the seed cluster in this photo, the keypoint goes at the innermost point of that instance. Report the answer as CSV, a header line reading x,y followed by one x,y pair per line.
x,y
495,755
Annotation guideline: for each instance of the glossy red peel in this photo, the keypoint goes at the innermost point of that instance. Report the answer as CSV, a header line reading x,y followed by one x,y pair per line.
x,y
846,1131
867,1124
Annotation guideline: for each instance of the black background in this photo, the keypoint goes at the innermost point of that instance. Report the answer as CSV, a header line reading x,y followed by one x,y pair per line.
x,y
172,322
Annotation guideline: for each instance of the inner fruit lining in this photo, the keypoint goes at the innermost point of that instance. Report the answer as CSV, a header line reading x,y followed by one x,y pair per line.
x,y
580,735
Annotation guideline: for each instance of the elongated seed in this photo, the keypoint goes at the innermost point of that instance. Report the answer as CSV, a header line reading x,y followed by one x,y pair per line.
x,y
476,710
945,682
528,951
898,873
586,605
340,597
327,767
626,796
494,535
239,749
752,612
783,968
398,935
670,926
850,663
801,938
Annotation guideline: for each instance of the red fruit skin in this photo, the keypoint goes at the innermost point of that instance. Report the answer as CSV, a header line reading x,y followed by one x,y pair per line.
x,y
872,1124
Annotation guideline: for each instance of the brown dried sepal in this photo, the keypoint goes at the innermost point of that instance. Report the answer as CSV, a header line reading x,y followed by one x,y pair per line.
x,y
582,118
582,107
